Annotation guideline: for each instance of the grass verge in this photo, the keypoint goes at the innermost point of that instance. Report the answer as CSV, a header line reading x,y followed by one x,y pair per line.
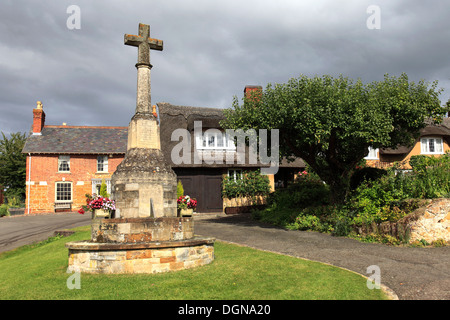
x,y
238,273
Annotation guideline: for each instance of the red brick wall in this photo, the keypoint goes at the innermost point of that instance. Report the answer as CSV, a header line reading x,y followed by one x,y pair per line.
x,y
40,191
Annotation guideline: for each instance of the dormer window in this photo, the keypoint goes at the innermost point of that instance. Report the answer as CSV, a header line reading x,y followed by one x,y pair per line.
x,y
215,139
431,145
373,154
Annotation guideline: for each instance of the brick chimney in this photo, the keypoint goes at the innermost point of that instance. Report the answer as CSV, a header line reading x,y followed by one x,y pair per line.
x,y
252,91
38,119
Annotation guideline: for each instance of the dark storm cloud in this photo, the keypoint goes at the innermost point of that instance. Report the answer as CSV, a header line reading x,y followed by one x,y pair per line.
x,y
212,49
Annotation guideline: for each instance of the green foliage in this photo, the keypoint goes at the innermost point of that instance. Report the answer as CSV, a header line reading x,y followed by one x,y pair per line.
x,y
431,177
330,122
103,190
253,184
390,197
284,205
13,162
14,198
365,174
180,189
4,210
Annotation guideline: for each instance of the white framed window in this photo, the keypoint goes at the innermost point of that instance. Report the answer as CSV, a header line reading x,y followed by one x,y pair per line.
x,y
214,139
63,191
373,154
102,164
431,145
64,164
235,174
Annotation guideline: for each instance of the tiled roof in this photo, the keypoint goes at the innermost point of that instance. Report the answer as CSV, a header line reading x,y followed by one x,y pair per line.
x,y
78,140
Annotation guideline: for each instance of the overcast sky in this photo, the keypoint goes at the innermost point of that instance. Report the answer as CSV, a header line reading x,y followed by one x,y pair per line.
x,y
212,49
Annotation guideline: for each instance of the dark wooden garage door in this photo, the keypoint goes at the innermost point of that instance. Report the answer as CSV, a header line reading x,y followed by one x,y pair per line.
x,y
205,185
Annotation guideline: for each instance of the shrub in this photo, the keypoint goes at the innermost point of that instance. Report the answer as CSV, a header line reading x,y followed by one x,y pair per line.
x,y
180,189
4,210
14,197
301,194
253,184
103,190
365,174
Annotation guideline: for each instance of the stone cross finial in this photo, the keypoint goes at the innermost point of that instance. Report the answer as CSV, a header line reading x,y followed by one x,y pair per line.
x,y
144,43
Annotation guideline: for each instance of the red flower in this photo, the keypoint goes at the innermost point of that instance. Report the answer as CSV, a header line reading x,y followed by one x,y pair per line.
x,y
81,211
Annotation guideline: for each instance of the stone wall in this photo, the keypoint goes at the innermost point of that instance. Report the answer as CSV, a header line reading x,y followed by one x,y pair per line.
x,y
430,222
242,204
140,258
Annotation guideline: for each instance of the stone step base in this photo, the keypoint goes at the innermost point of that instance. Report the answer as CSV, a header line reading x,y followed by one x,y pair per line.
x,y
146,257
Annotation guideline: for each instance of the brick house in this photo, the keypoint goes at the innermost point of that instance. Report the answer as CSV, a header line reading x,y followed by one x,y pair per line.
x,y
66,162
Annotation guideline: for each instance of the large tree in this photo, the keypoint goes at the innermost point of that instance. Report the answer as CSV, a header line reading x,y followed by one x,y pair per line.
x,y
331,122
13,163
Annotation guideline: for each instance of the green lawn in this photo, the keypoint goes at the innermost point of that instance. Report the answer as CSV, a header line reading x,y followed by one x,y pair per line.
x,y
39,272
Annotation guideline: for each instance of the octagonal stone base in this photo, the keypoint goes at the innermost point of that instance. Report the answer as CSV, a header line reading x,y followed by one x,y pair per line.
x,y
145,257
134,230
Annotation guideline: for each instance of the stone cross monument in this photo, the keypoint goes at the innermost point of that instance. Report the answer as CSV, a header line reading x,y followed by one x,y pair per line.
x,y
144,185
145,235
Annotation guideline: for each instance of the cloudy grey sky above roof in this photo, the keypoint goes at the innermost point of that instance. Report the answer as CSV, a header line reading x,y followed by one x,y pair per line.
x,y
212,49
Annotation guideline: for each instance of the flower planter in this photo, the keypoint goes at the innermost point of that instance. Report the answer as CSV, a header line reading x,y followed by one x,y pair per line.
x,y
186,212
101,213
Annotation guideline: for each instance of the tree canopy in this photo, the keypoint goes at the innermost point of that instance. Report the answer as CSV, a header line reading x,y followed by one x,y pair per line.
x,y
13,163
331,122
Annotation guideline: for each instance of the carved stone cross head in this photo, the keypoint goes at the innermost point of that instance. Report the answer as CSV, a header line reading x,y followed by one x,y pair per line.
x,y
144,43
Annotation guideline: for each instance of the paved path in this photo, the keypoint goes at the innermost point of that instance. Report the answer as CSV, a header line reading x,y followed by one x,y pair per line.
x,y
412,273
16,231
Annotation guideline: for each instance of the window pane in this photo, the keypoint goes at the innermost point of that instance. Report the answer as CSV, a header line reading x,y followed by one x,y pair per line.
x,y
430,145
211,141
100,163
423,145
439,145
220,140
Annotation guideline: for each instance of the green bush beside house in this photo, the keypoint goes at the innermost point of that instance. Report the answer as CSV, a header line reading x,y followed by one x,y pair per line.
x,y
377,197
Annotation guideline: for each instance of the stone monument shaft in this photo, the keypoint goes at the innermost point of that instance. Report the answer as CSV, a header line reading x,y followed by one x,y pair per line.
x,y
144,184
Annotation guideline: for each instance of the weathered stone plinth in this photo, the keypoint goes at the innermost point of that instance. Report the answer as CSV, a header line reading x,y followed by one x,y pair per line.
x,y
136,230
144,185
140,245
144,257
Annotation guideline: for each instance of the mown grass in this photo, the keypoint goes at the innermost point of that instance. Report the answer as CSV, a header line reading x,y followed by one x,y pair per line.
x,y
237,273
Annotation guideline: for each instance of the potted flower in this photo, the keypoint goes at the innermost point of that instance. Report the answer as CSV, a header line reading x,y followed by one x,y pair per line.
x,y
186,206
101,207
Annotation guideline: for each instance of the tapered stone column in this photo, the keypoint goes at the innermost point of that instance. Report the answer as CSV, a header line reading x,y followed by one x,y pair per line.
x,y
144,185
